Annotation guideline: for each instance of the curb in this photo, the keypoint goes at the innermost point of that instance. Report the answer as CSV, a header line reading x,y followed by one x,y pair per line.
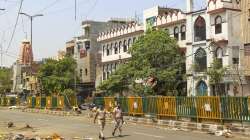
x,y
190,126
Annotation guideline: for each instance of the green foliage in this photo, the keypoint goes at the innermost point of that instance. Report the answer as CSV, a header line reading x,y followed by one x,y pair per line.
x,y
56,76
216,73
118,81
5,80
68,92
154,54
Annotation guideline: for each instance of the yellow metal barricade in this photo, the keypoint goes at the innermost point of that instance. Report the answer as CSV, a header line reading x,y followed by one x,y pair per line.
x,y
73,101
17,101
109,103
208,108
166,107
30,102
49,102
135,106
248,103
60,101
38,102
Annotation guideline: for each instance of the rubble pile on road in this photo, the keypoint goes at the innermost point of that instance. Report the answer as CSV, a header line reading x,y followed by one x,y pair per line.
x,y
11,136
4,136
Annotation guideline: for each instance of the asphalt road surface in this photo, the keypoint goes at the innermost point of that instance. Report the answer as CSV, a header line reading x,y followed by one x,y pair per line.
x,y
70,127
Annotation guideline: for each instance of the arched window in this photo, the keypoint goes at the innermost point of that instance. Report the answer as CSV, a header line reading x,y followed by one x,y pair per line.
x,y
176,33
129,43
104,76
80,73
107,70
111,48
120,46
116,48
86,72
125,46
219,55
111,68
103,50
201,89
107,50
183,32
134,39
115,66
201,60
200,29
218,25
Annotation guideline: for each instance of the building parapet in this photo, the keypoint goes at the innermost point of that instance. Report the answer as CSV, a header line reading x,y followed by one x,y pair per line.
x,y
170,18
219,4
116,32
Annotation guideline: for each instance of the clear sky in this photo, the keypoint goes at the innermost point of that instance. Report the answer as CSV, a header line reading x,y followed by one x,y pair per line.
x,y
58,25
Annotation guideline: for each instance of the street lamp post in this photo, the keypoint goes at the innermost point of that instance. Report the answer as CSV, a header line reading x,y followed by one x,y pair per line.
x,y
31,17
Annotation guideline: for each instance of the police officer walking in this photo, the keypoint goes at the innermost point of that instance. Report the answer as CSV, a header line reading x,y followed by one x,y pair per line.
x,y
101,116
118,118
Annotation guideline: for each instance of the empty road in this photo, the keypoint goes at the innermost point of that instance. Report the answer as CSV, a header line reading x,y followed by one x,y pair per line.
x,y
70,127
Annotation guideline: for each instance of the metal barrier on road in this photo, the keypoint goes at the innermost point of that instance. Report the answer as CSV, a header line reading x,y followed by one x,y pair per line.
x,y
109,103
135,106
208,108
186,107
166,106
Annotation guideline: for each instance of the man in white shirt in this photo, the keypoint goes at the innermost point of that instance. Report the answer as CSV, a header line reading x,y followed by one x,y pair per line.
x,y
118,118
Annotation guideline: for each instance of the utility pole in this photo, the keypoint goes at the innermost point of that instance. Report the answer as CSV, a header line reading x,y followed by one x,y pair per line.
x,y
75,8
31,17
1,46
1,55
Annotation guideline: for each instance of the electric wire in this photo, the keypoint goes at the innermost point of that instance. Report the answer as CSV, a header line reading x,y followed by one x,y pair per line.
x,y
14,30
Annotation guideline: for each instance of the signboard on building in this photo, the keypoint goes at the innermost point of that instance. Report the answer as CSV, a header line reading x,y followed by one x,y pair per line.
x,y
150,22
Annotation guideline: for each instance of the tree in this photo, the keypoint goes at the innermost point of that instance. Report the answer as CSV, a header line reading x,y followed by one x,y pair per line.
x,y
118,81
5,80
56,76
216,73
155,56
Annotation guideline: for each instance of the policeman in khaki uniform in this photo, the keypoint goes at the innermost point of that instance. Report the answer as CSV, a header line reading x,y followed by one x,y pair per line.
x,y
101,116
118,118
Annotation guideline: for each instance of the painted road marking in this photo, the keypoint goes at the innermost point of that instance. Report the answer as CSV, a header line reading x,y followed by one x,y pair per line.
x,y
144,134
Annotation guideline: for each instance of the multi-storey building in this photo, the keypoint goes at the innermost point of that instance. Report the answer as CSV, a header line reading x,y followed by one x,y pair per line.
x,y
245,37
70,45
115,44
203,35
84,49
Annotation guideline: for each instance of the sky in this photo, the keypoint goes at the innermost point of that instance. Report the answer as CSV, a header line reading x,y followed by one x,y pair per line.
x,y
59,25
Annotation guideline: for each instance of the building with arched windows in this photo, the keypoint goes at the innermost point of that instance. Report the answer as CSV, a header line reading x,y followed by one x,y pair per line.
x,y
115,44
204,35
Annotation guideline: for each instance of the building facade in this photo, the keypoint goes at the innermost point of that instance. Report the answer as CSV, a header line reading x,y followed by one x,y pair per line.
x,y
115,44
245,37
70,47
203,35
85,50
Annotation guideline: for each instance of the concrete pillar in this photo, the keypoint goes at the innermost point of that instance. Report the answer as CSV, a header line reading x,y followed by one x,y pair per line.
x,y
190,5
